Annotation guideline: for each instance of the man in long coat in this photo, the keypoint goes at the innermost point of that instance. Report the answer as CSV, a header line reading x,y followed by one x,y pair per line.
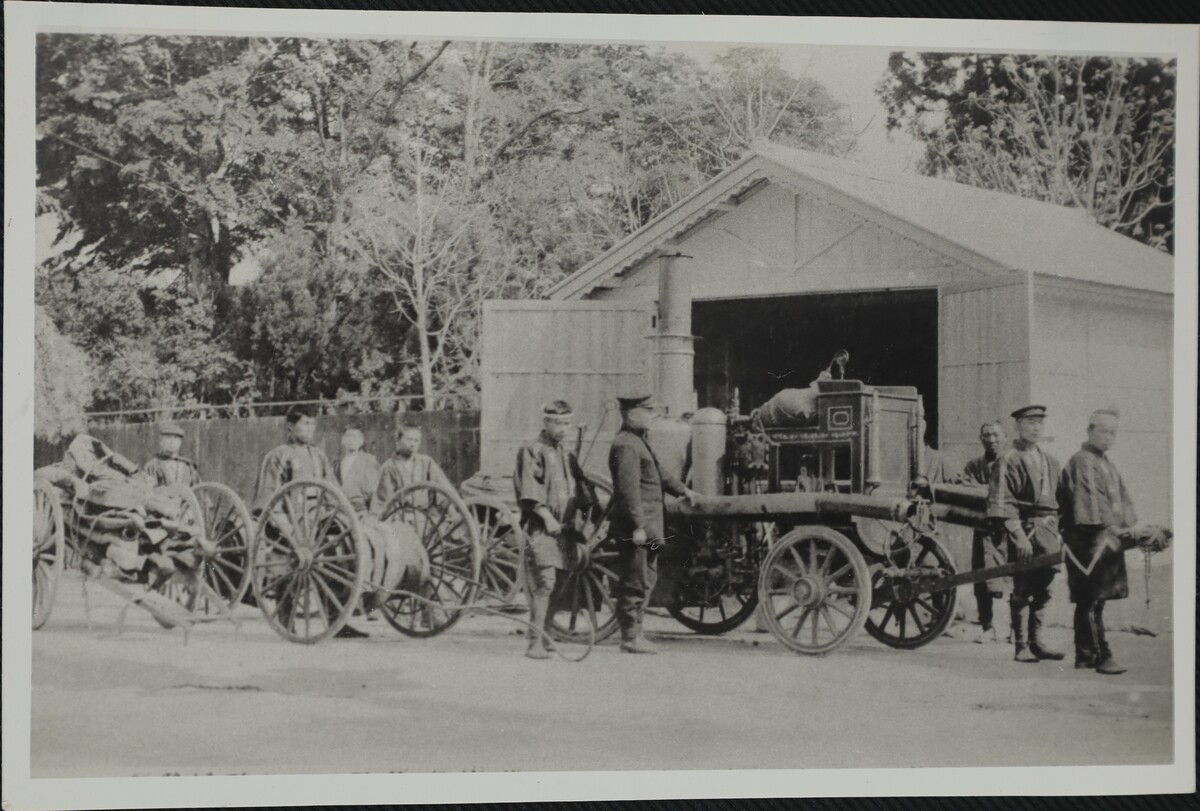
x,y
168,467
637,517
1095,508
1023,506
551,492
986,549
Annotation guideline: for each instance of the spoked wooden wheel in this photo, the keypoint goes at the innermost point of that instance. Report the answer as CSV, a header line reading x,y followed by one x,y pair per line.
x,y
815,589
900,617
228,530
448,532
49,550
583,596
181,586
503,542
719,591
308,561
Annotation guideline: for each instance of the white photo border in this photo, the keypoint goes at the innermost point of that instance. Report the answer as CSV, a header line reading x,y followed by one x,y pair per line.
x,y
25,19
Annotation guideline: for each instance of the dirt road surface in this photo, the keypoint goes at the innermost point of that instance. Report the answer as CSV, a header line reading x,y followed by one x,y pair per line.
x,y
144,703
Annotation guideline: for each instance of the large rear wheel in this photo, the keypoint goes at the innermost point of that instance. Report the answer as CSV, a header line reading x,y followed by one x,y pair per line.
x,y
900,617
308,561
229,530
816,590
450,537
503,542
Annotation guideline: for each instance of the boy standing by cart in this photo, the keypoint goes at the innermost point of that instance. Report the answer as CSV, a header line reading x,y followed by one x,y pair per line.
x,y
168,467
551,492
406,467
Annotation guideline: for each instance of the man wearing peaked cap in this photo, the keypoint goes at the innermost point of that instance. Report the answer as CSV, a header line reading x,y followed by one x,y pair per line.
x,y
1029,412
630,401
167,466
637,518
1023,507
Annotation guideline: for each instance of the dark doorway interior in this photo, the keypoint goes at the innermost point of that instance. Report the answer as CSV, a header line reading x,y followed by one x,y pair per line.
x,y
762,345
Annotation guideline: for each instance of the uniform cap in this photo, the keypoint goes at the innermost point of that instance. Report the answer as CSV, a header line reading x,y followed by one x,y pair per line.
x,y
557,408
1029,411
170,429
635,400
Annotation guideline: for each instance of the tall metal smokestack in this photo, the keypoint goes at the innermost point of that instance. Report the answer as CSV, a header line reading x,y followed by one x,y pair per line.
x,y
673,346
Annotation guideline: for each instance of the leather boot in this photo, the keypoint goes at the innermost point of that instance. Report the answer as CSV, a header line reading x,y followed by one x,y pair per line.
x,y
1021,652
1036,646
638,645
539,605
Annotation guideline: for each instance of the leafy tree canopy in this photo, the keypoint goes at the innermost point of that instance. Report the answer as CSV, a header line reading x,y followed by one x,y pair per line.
x,y
1096,133
378,191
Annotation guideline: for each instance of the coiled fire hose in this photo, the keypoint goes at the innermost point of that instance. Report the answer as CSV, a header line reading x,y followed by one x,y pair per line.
x,y
545,637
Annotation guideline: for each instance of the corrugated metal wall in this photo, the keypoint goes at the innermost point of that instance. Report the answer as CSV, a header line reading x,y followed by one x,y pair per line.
x,y
586,352
230,451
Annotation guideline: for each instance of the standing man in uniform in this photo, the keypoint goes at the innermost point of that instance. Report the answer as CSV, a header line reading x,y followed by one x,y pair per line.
x,y
1096,508
407,466
1023,506
297,458
551,491
167,466
637,520
986,548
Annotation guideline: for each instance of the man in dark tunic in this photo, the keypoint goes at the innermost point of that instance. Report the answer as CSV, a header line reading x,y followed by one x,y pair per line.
x,y
297,458
551,492
986,549
1096,507
636,520
167,466
1023,505
407,466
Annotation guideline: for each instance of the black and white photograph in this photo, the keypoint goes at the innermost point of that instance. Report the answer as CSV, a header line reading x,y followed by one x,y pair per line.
x,y
551,406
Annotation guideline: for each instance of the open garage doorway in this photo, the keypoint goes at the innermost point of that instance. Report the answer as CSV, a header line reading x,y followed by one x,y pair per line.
x,y
761,345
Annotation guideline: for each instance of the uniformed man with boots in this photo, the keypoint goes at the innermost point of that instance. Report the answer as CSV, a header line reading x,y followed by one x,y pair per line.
x,y
637,517
551,491
1023,505
167,466
1096,508
987,550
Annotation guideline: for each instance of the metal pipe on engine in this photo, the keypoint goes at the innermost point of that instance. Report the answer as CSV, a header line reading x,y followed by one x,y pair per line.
x,y
818,506
973,497
674,351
